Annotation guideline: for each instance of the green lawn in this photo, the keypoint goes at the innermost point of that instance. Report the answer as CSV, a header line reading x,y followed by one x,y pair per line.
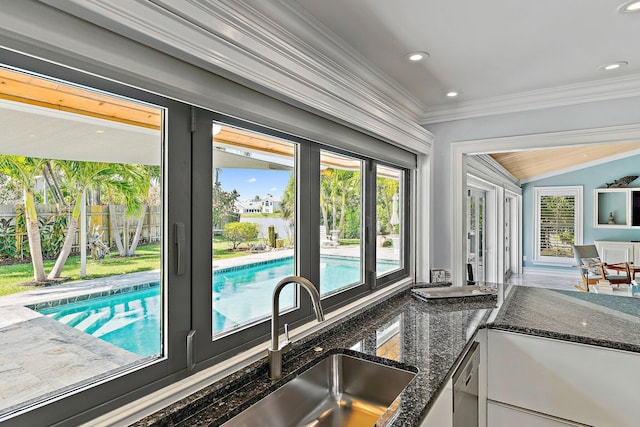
x,y
349,242
261,215
221,248
12,277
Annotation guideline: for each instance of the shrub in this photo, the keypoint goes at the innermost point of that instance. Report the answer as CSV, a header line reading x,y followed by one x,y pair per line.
x,y
240,232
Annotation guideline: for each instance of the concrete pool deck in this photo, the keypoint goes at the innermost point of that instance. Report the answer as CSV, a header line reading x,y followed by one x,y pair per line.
x,y
41,357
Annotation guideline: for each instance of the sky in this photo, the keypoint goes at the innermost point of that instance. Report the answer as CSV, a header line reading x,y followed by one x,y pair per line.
x,y
254,182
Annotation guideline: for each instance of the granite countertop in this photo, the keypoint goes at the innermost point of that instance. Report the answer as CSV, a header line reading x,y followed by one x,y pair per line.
x,y
429,336
603,320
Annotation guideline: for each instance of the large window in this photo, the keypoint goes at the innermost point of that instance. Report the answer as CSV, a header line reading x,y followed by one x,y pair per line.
x,y
558,223
141,238
82,213
253,219
341,247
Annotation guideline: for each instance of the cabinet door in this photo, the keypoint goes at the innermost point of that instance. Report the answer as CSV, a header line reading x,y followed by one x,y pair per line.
x,y
611,252
585,384
636,253
507,416
441,413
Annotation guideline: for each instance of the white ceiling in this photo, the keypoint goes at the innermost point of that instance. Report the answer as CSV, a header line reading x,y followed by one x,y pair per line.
x,y
487,48
29,130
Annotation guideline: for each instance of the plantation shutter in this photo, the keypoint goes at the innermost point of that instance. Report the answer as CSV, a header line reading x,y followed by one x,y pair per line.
x,y
557,225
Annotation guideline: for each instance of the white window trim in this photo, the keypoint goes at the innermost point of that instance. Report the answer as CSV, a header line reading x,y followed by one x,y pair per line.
x,y
575,191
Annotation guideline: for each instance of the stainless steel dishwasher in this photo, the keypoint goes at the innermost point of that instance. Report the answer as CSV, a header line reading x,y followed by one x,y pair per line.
x,y
465,390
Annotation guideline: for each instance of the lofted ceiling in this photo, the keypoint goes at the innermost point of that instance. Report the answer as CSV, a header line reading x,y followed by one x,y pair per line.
x,y
532,164
491,50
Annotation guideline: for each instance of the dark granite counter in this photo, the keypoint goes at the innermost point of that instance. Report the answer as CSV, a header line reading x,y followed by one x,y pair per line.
x,y
407,332
401,331
603,320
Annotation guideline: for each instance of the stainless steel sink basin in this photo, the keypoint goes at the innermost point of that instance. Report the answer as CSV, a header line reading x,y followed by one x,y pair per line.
x,y
340,390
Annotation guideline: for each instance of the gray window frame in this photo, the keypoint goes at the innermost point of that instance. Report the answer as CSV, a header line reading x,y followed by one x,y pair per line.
x,y
187,171
87,403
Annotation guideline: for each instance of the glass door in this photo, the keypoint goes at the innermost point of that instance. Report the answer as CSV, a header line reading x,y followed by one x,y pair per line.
x,y
476,202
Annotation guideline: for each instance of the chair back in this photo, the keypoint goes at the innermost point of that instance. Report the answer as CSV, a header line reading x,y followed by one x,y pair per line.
x,y
584,251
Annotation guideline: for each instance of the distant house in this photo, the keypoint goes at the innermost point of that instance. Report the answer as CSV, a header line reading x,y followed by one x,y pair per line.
x,y
267,204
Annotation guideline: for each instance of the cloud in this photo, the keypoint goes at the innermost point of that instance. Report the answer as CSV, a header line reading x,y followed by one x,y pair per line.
x,y
274,189
251,180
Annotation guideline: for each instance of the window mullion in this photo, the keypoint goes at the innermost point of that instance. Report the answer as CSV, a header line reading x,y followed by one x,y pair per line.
x,y
307,219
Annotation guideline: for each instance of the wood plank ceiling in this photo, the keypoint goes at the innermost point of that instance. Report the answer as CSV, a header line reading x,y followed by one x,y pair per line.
x,y
532,163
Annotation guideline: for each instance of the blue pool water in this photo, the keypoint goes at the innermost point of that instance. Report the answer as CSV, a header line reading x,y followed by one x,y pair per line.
x,y
132,320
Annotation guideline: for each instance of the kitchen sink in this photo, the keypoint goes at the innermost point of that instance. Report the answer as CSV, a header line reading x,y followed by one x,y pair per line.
x,y
340,390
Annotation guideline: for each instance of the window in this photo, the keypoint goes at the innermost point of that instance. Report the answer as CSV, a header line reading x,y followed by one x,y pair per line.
x,y
558,223
198,214
253,219
83,199
390,219
341,182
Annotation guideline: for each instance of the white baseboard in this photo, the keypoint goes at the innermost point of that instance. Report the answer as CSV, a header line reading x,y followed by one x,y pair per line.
x,y
564,272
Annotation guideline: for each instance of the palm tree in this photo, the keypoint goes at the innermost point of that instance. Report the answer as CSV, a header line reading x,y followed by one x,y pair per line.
x,y
338,188
23,170
325,196
349,188
82,176
142,184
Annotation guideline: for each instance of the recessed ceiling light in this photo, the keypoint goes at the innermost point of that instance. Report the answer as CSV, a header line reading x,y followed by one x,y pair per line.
x,y
99,131
630,7
417,56
614,65
453,93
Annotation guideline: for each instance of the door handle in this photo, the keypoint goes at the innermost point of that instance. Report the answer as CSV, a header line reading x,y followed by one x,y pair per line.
x,y
179,237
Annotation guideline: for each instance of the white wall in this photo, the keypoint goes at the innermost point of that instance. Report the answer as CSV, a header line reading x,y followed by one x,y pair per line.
x,y
581,116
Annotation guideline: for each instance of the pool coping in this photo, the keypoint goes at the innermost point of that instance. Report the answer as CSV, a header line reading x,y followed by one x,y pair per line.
x,y
94,295
81,290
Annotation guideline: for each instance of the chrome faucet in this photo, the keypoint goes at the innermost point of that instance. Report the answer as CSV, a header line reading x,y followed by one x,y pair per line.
x,y
276,350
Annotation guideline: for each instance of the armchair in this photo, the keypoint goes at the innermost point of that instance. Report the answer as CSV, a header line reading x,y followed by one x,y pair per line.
x,y
587,255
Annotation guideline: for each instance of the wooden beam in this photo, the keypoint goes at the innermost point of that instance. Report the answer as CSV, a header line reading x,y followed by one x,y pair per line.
x,y
32,90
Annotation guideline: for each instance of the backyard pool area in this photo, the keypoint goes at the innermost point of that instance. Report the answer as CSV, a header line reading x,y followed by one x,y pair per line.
x,y
240,294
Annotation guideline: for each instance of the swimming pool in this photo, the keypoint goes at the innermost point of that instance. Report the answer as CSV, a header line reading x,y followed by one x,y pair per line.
x,y
239,295
130,320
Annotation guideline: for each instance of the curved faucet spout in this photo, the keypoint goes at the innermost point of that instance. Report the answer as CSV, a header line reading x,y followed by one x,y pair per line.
x,y
275,351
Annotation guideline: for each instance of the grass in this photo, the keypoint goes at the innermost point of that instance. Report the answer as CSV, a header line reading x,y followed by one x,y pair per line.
x,y
15,278
261,215
222,248
349,242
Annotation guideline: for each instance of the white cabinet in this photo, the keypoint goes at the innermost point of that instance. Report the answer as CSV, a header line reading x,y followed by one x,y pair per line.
x,y
616,208
612,208
441,413
499,415
611,252
568,381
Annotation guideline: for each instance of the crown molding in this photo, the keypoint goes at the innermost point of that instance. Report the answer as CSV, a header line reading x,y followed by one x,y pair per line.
x,y
273,48
486,167
602,90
